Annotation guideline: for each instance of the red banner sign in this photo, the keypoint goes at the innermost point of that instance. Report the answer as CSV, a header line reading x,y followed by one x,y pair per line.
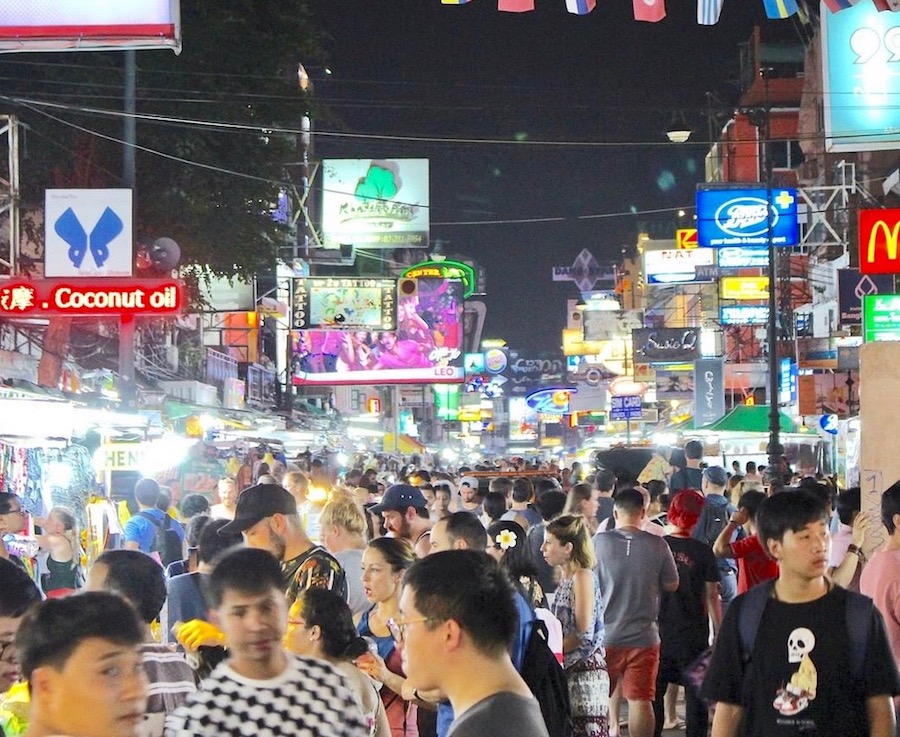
x,y
90,297
879,238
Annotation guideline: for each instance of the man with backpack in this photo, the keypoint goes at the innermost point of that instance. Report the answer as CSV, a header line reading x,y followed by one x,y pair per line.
x,y
151,530
798,654
717,512
451,640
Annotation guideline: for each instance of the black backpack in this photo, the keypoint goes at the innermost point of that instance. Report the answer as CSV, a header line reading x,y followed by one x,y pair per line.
x,y
713,519
166,541
547,681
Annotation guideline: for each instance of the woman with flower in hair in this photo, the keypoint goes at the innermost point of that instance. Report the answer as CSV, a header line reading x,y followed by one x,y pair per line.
x,y
579,608
507,544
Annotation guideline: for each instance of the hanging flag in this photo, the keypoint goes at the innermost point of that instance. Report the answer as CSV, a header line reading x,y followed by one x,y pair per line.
x,y
580,7
780,8
454,2
887,4
837,5
515,6
708,12
651,11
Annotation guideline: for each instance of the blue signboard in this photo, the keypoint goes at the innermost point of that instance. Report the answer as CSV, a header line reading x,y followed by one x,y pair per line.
x,y
787,381
744,314
861,80
743,257
852,287
742,217
626,407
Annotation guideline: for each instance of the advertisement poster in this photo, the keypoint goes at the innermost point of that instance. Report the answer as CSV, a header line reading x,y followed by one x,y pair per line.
x,y
666,345
709,391
426,347
852,287
344,303
731,216
676,385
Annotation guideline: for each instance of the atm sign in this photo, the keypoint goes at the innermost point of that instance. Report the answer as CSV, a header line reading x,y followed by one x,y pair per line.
x,y
879,241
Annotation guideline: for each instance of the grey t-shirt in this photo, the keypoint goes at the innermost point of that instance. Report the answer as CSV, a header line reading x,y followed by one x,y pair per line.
x,y
501,715
351,562
632,566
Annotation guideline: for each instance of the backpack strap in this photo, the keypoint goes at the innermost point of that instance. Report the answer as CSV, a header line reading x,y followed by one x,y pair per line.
x,y
750,615
859,627
146,515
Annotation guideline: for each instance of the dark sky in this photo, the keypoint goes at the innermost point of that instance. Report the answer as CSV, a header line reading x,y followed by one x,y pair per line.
x,y
416,67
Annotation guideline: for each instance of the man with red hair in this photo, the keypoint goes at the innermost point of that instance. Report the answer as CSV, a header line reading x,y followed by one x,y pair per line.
x,y
684,614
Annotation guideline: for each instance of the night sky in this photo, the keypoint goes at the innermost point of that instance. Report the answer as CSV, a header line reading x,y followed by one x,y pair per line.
x,y
419,68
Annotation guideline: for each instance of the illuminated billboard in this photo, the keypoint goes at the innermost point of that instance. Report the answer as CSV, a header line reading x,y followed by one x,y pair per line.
x,y
426,347
678,266
731,216
344,303
375,203
666,345
744,314
861,86
879,238
90,297
746,288
91,25
881,317
445,269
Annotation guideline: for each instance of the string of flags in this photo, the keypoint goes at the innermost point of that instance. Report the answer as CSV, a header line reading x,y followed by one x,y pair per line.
x,y
708,11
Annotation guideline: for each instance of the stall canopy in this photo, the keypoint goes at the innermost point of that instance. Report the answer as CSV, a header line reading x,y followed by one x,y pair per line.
x,y
745,418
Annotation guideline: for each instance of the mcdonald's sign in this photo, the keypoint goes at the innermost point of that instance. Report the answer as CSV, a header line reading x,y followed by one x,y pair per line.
x,y
879,241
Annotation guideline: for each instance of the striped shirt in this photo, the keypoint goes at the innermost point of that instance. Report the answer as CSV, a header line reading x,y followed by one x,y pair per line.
x,y
171,681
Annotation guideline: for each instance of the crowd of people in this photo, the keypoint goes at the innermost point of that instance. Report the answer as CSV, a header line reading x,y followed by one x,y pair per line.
x,y
521,600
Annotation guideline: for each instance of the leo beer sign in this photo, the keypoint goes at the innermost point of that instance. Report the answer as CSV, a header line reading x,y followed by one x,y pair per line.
x,y
879,234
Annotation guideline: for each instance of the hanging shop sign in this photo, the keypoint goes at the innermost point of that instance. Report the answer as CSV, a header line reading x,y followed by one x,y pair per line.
x,y
375,203
344,303
743,314
446,269
743,257
90,297
747,216
879,241
57,25
709,390
744,288
678,266
852,287
666,345
551,401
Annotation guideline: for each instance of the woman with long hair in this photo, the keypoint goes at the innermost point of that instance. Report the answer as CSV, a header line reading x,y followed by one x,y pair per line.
x,y
60,560
584,500
384,562
578,607
508,545
320,625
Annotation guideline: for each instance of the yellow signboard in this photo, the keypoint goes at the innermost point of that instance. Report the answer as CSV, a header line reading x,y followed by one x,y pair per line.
x,y
122,456
744,287
686,238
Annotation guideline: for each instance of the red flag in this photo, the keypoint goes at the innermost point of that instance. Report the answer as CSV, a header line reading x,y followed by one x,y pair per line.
x,y
515,6
652,11
887,4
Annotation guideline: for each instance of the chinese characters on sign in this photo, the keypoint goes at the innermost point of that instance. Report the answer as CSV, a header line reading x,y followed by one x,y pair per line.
x,y
85,298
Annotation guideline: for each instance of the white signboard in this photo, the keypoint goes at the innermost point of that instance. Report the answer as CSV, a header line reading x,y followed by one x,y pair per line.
x,y
676,266
88,232
375,203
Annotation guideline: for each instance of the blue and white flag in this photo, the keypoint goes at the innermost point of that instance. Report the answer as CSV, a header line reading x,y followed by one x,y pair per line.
x,y
708,12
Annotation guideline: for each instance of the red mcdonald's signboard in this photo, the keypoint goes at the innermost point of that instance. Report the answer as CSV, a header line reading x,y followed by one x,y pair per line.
x,y
879,241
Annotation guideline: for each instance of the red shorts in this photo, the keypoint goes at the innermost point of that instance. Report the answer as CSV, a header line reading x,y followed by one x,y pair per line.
x,y
635,668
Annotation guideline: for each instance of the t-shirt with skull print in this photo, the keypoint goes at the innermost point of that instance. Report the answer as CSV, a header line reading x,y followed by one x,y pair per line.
x,y
798,679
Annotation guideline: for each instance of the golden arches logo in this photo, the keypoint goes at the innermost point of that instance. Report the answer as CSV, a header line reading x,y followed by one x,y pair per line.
x,y
891,238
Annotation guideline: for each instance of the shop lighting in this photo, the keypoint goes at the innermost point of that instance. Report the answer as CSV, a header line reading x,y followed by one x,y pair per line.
x,y
342,459
57,474
363,432
448,454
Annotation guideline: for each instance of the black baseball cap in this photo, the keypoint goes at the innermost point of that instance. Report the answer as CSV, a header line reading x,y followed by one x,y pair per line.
x,y
398,497
258,502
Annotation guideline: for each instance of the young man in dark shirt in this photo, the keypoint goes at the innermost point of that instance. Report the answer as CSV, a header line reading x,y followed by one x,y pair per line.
x,y
799,676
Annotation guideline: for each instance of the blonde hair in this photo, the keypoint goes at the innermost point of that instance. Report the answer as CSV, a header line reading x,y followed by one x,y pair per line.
x,y
572,528
577,494
345,512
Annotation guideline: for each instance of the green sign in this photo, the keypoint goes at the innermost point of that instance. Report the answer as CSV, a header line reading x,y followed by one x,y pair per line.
x,y
446,269
881,317
446,401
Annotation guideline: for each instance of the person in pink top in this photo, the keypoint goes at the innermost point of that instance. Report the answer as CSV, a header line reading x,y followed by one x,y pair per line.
x,y
754,564
880,578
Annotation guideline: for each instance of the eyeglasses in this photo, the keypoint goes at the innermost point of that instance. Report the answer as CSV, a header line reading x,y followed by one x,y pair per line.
x,y
397,627
21,512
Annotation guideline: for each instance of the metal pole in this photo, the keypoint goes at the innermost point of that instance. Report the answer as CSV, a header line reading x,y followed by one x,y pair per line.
x,y
774,471
126,322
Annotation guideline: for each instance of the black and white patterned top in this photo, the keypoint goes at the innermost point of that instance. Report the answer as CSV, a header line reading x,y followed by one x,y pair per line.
x,y
310,699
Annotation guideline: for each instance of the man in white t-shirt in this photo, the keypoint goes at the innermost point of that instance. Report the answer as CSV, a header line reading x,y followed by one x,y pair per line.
x,y
262,689
228,496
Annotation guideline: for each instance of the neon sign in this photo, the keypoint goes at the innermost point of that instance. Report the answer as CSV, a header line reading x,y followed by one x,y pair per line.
x,y
95,297
446,269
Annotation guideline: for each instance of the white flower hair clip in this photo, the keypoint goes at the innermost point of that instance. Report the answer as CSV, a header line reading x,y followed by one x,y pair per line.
x,y
506,539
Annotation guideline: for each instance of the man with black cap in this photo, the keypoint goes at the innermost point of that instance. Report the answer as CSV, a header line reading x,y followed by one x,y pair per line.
x,y
405,513
266,515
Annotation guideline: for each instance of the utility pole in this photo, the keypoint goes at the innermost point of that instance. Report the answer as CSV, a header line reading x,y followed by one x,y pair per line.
x,y
127,389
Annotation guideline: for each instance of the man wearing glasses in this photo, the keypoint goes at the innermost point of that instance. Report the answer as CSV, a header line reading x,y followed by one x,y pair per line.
x,y
12,522
446,633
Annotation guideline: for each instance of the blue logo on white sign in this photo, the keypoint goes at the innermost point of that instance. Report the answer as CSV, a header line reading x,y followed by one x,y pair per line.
x,y
69,228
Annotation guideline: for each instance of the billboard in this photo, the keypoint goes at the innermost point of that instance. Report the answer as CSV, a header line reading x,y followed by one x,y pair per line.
x,y
743,257
879,233
741,216
445,269
860,82
97,25
94,297
344,303
375,203
677,266
666,345
88,232
528,372
744,287
852,287
881,317
426,347
743,314
611,324
677,385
